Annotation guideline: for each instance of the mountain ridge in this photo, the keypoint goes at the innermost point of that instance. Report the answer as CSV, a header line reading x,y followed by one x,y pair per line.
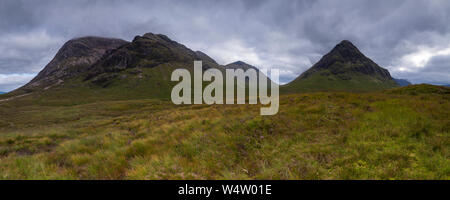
x,y
141,68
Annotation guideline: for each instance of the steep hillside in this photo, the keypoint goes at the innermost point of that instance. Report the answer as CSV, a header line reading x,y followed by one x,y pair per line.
x,y
344,68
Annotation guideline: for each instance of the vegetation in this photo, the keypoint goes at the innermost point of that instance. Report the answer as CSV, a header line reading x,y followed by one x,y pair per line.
x,y
396,134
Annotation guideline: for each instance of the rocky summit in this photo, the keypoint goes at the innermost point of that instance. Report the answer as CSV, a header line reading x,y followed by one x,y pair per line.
x,y
145,51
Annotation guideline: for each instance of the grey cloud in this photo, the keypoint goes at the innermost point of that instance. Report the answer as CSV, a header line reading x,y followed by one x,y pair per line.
x,y
288,34
440,64
436,71
12,81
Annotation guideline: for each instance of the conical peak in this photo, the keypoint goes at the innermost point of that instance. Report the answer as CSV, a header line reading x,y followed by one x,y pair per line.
x,y
346,49
346,43
239,63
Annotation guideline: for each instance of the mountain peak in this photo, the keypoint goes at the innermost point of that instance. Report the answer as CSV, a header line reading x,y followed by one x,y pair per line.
x,y
345,68
240,65
347,50
155,37
346,43
74,58
346,57
83,46
148,51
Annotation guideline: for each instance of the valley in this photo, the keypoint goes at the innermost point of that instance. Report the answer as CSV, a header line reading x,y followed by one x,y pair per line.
x,y
101,109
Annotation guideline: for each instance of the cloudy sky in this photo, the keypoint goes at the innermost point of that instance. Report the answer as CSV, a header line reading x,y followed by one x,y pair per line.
x,y
410,38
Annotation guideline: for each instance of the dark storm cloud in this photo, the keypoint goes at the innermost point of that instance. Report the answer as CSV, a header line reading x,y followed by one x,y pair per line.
x,y
410,38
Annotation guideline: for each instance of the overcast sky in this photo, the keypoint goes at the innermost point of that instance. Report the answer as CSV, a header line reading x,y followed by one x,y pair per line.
x,y
410,38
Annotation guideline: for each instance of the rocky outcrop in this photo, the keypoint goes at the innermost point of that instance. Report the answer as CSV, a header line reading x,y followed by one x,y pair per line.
x,y
145,51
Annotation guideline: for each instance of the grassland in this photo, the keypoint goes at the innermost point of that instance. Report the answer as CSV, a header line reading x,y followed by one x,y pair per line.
x,y
395,134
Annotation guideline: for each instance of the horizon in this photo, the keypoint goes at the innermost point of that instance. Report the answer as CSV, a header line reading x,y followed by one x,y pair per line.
x,y
291,35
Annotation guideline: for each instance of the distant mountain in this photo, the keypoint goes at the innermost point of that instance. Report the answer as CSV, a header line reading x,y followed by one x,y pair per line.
x,y
402,82
240,65
344,68
2,92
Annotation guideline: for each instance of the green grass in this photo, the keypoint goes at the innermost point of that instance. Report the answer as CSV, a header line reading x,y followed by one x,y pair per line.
x,y
396,134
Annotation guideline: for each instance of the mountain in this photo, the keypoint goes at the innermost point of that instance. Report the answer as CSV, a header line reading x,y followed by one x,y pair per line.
x,y
244,66
92,68
73,59
2,92
344,68
402,82
240,65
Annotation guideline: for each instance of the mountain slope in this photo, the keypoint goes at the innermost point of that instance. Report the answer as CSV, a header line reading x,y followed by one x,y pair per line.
x,y
344,68
207,61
